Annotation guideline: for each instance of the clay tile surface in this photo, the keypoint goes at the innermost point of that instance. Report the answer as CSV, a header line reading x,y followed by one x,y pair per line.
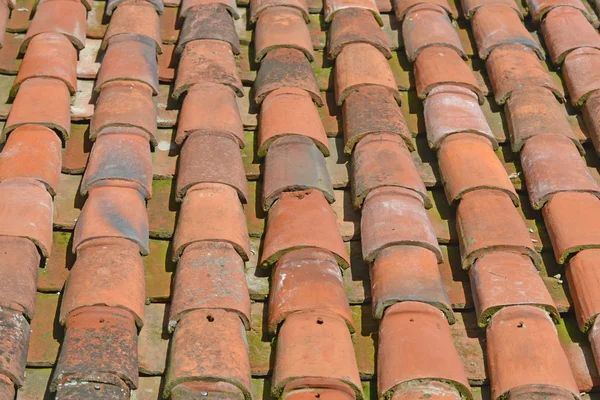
x,y
552,164
222,219
513,67
502,280
418,332
210,108
13,347
583,280
515,330
258,6
214,390
417,280
49,55
535,111
208,22
372,110
19,262
111,5
486,221
209,276
230,5
301,336
469,7
437,66
207,61
497,25
286,68
332,7
395,216
581,74
590,111
571,219
428,25
32,151
280,27
359,65
382,160
468,163
291,225
146,27
401,7
305,280
356,25
294,163
211,158
91,391
539,8
452,109
209,346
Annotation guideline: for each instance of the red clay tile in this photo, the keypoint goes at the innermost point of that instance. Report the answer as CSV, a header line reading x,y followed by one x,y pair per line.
x,y
99,341
32,151
210,108
50,55
9,64
401,7
187,5
304,335
513,67
212,390
292,225
581,75
356,25
407,273
307,280
452,109
211,158
384,161
552,164
91,391
41,101
257,7
124,105
120,157
359,65
594,340
113,211
535,111
282,27
468,163
111,5
426,25
4,15
167,63
545,371
566,29
294,163
469,7
209,276
395,216
591,116
108,272
26,197
129,59
437,66
286,68
433,390
584,281
572,221
19,262
146,27
209,346
415,345
208,22
7,388
372,110
290,111
323,394
539,8
486,221
13,346
211,212
206,61
332,7
65,17
501,280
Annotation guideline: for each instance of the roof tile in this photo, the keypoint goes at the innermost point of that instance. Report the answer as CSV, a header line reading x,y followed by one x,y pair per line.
x,y
401,7
208,22
19,262
13,347
214,390
471,6
428,25
209,346
591,111
356,25
420,333
7,387
468,163
258,6
384,161
539,8
584,281
581,75
294,163
331,7
146,27
358,65
91,391
324,394
187,5
111,5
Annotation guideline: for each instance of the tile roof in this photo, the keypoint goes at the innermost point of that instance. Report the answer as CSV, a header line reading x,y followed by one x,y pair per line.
x,y
294,199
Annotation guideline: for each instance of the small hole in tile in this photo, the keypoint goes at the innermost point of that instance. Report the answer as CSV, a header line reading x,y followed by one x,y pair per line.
x,y
318,395
102,321
210,318
412,320
520,324
320,321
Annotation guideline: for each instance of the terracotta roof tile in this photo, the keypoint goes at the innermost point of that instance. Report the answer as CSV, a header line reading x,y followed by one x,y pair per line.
x,y
257,7
539,8
282,27
230,5
331,7
18,285
356,25
401,7
579,73
145,29
111,5
470,7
